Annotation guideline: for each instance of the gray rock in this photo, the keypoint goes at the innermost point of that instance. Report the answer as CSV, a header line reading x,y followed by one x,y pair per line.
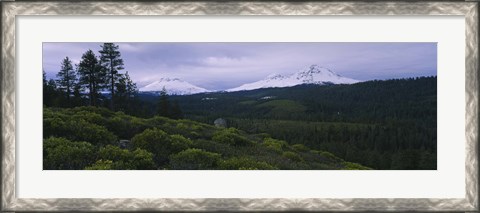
x,y
220,122
124,144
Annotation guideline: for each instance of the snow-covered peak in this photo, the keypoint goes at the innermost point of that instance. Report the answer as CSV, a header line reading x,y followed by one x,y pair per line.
x,y
174,86
274,77
315,69
311,75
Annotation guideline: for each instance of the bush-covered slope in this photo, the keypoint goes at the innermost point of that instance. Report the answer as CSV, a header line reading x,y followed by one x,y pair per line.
x,y
389,124
96,138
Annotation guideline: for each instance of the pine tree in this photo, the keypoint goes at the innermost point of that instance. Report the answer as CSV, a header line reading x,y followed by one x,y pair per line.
x,y
66,78
131,87
121,93
44,75
163,104
110,58
77,94
49,90
92,74
126,92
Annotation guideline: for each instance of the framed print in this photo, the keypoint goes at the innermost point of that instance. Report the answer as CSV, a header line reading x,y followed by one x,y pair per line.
x,y
245,106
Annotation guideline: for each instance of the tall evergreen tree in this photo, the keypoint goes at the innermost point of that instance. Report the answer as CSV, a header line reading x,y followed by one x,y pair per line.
x,y
163,104
131,87
77,94
92,74
66,78
44,75
49,90
110,58
126,92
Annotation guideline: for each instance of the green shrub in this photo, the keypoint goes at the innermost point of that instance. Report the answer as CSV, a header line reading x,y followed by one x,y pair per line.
x,y
329,156
142,160
101,165
292,156
263,136
230,136
182,127
90,117
61,153
123,159
245,163
354,166
178,142
77,129
193,159
126,126
156,121
104,112
274,144
160,144
300,148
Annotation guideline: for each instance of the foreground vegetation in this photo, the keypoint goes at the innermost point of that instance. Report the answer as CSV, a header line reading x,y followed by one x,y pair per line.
x,y
97,138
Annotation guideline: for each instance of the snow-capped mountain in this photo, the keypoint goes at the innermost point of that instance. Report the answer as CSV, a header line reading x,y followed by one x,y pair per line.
x,y
174,86
312,75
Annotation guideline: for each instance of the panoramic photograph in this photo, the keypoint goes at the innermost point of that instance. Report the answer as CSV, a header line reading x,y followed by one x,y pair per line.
x,y
240,106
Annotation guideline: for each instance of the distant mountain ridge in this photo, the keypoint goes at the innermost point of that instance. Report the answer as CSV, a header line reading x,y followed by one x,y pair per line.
x,y
173,86
312,75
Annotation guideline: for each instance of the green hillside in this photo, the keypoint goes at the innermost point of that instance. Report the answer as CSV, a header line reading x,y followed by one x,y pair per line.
x,y
389,124
97,138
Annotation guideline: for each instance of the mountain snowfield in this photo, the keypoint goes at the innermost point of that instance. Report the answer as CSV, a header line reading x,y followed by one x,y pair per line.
x,y
174,86
312,75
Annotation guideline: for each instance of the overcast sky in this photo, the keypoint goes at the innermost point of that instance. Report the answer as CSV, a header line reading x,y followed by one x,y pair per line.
x,y
218,66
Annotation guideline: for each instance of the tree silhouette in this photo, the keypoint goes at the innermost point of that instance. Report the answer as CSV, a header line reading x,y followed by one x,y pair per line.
x,y
163,104
66,78
110,58
92,74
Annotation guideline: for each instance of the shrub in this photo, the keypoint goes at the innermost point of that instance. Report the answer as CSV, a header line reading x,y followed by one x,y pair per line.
x,y
300,148
104,112
178,142
142,160
90,117
328,156
263,136
191,159
182,127
61,153
245,163
274,144
77,129
124,159
292,156
354,166
230,136
160,144
101,165
156,121
126,126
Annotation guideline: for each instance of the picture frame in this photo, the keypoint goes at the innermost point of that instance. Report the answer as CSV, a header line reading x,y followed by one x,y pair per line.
x,y
12,10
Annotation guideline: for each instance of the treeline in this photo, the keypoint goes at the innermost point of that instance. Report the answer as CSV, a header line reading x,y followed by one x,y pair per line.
x,y
96,81
381,124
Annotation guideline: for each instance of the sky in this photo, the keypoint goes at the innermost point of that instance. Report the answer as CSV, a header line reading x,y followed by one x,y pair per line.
x,y
220,66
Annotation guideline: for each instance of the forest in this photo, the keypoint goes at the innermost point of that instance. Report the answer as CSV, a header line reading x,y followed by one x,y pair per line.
x,y
94,117
390,124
